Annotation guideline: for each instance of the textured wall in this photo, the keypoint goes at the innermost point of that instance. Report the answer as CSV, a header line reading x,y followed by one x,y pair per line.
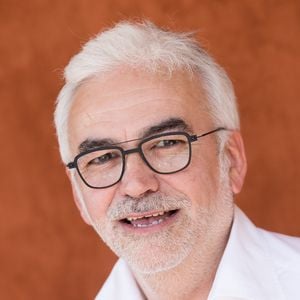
x,y
46,251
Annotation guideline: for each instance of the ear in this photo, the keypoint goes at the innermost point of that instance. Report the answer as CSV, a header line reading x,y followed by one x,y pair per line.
x,y
76,198
238,163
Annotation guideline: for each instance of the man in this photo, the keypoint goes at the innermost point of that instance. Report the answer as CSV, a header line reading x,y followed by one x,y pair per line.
x,y
149,131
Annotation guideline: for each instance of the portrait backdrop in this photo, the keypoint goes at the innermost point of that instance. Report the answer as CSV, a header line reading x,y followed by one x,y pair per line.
x,y
46,250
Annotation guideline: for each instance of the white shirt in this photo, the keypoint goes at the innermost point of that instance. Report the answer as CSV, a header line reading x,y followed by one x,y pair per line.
x,y
256,265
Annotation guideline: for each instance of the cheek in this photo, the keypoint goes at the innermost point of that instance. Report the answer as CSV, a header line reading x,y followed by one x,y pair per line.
x,y
97,201
199,182
205,165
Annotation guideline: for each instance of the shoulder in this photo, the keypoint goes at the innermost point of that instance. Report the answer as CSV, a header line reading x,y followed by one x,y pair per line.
x,y
283,250
273,258
284,254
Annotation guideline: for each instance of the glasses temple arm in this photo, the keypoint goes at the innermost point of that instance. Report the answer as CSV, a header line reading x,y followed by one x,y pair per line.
x,y
212,131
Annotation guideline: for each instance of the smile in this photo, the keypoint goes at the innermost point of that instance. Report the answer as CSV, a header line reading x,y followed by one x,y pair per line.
x,y
148,220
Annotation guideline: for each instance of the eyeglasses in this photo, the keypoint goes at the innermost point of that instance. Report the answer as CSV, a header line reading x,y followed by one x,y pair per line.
x,y
164,153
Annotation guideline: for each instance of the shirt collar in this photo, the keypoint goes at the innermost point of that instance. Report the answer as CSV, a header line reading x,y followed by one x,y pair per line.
x,y
245,271
120,284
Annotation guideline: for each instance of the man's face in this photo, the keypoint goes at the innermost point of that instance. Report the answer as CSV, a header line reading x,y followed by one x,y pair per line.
x,y
192,210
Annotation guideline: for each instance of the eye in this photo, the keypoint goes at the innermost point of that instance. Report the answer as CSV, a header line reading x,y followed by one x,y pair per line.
x,y
168,143
103,159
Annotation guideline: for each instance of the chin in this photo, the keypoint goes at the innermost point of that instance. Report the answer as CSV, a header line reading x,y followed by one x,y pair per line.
x,y
154,261
155,250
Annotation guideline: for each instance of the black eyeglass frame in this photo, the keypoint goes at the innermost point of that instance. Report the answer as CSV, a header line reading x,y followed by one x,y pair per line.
x,y
138,149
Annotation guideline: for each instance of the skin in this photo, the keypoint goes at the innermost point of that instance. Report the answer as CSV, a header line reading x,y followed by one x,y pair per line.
x,y
178,259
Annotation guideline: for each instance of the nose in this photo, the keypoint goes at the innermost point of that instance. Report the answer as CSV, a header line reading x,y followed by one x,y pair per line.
x,y
138,178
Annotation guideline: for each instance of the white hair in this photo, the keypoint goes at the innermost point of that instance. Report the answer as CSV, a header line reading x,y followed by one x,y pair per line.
x,y
147,47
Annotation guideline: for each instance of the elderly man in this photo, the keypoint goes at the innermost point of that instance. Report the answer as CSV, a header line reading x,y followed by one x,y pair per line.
x,y
149,132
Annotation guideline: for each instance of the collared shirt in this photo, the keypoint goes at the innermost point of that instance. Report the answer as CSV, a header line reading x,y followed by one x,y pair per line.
x,y
256,265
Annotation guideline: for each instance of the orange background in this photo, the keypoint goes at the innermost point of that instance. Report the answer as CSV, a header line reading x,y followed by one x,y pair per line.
x,y
46,251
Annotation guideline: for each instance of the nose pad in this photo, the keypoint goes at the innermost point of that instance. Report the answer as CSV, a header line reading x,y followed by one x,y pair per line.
x,y
138,178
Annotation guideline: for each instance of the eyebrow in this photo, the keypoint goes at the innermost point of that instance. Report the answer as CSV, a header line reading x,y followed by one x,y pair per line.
x,y
90,144
169,124
165,125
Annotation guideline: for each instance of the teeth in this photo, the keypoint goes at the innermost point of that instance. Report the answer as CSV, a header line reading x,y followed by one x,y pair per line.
x,y
146,216
148,225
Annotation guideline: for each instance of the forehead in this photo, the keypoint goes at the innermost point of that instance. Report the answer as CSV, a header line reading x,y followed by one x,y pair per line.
x,y
123,103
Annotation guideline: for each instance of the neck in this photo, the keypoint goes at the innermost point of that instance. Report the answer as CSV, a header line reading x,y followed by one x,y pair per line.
x,y
191,279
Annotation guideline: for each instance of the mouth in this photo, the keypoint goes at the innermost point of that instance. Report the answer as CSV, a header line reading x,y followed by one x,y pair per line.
x,y
148,219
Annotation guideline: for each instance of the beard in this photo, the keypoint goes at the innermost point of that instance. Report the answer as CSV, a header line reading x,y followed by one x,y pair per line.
x,y
153,252
199,227
195,229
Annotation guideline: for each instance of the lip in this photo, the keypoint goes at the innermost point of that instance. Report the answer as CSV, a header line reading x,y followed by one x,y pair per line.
x,y
151,229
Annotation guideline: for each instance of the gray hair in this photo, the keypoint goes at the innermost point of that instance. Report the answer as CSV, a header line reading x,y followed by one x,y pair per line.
x,y
147,47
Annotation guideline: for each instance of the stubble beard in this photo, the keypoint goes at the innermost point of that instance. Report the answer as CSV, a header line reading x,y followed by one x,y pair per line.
x,y
166,249
153,252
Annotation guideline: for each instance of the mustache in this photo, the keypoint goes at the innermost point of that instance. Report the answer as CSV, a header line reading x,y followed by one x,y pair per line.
x,y
153,202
